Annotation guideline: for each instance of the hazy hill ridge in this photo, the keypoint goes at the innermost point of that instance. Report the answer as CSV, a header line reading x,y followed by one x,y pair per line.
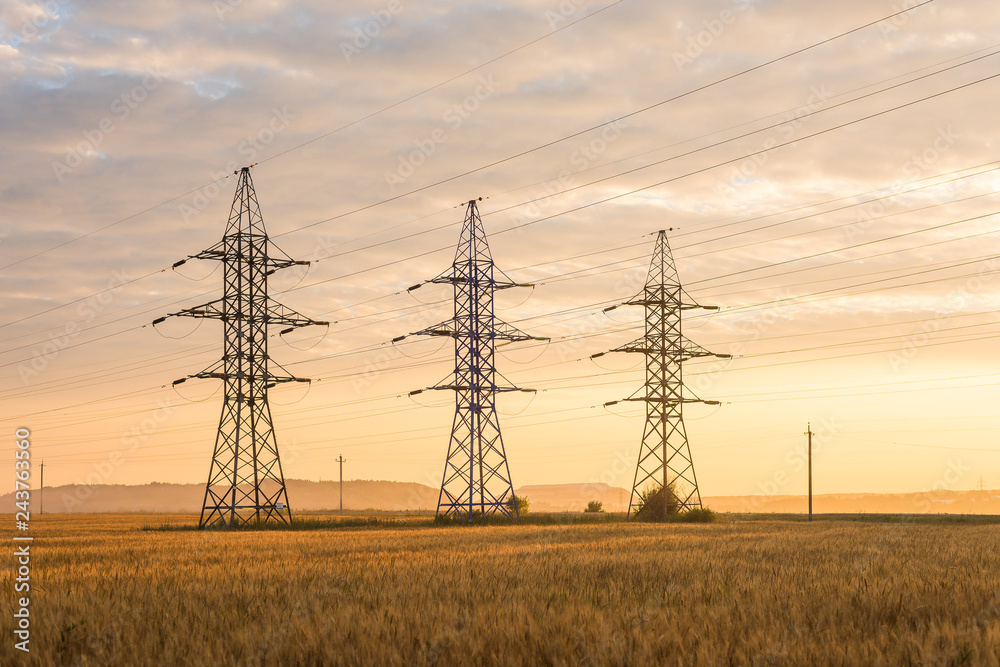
x,y
396,496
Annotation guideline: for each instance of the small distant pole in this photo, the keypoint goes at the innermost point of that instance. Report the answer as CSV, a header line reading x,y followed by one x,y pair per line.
x,y
41,489
340,460
810,434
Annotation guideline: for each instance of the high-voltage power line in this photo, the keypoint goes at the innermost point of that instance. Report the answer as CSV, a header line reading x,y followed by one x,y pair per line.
x,y
245,480
665,479
476,478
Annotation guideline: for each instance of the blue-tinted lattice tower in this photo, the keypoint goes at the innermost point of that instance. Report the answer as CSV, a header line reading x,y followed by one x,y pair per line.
x,y
476,480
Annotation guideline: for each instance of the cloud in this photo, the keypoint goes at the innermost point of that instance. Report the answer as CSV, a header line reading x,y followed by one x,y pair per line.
x,y
130,118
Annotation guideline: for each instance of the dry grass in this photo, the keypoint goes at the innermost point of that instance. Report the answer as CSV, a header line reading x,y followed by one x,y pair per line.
x,y
740,593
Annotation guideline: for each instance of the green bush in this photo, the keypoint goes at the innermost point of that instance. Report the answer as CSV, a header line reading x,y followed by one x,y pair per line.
x,y
656,505
522,506
594,506
698,515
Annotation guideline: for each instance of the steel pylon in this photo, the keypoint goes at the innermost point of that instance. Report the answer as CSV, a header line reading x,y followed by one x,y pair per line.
x,y
476,480
664,456
245,480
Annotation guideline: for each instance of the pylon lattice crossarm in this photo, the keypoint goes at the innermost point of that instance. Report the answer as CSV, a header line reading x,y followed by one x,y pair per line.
x,y
665,400
691,350
227,252
666,303
282,315
271,379
688,350
211,310
476,479
448,278
510,333
455,387
500,331
275,314
245,481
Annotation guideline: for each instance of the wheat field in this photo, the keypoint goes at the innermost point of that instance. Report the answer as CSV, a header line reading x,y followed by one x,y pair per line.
x,y
106,592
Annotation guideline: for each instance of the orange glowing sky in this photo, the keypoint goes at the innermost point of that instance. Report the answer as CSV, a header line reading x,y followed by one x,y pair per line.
x,y
855,269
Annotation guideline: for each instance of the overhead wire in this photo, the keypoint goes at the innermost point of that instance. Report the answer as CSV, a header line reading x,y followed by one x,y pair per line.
x,y
327,134
535,221
617,119
925,3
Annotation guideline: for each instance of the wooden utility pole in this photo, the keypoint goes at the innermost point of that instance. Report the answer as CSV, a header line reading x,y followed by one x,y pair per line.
x,y
340,460
810,434
41,490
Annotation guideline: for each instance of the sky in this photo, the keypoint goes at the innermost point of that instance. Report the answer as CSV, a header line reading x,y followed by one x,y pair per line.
x,y
827,176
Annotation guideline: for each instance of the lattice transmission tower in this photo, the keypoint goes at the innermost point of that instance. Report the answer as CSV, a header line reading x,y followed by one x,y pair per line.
x,y
476,475
245,480
664,457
